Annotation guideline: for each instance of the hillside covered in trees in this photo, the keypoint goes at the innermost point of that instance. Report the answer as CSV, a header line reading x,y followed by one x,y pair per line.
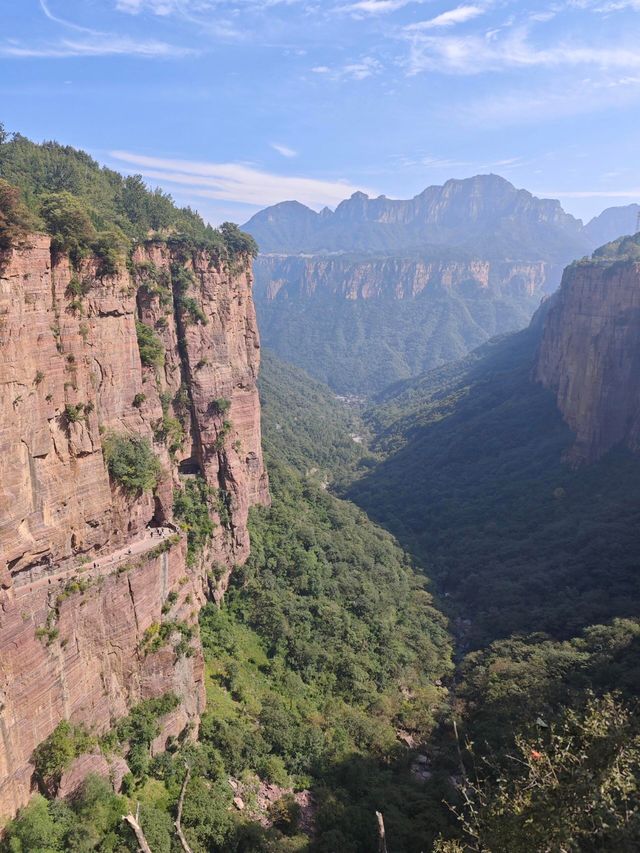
x,y
89,208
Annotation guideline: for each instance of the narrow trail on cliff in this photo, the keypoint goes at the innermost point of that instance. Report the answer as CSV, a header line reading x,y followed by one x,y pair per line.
x,y
104,564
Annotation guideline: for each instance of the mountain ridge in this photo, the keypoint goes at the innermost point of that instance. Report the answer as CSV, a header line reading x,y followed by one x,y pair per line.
x,y
305,229
461,212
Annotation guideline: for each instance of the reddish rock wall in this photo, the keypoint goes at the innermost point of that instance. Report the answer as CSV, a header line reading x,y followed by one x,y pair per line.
x,y
80,655
590,356
401,278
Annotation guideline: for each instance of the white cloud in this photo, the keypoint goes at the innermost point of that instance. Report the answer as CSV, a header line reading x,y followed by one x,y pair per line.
x,y
187,8
365,67
70,24
360,70
607,7
495,51
541,104
459,15
238,182
98,45
284,150
89,43
377,7
443,163
162,8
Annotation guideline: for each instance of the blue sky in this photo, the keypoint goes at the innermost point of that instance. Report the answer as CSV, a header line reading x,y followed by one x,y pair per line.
x,y
235,104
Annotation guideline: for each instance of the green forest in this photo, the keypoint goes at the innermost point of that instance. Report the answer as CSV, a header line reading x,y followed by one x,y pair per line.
x,y
328,644
361,346
87,208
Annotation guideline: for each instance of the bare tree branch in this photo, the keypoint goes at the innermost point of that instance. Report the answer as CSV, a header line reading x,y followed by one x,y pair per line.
x,y
134,823
178,822
382,842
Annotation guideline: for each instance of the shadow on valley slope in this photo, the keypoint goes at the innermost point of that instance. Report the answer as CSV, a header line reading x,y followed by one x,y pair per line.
x,y
474,486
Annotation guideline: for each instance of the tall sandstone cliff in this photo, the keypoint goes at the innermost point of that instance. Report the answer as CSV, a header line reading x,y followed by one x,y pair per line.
x,y
590,354
84,582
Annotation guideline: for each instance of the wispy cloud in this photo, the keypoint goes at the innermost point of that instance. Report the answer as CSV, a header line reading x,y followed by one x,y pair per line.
x,y
238,182
496,51
447,163
608,6
65,23
283,149
107,45
459,15
88,43
359,69
156,7
377,7
189,9
442,163
544,103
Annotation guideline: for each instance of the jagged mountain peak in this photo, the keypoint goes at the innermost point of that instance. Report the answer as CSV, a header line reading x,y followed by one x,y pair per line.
x,y
471,213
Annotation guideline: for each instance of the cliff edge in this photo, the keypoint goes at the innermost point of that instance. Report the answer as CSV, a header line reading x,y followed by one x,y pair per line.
x,y
101,580
589,355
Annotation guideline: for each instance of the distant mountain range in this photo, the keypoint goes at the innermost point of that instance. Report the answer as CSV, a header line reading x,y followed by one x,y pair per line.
x,y
485,214
381,289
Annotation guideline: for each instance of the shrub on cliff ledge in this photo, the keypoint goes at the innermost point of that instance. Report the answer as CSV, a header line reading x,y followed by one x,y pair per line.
x,y
237,242
54,754
131,462
150,346
191,506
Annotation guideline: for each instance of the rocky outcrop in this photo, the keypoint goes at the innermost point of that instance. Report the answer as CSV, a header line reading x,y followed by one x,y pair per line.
x,y
590,355
89,572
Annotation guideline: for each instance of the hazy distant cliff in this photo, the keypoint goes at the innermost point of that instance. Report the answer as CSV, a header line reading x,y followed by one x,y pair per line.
x,y
381,289
84,586
485,214
590,350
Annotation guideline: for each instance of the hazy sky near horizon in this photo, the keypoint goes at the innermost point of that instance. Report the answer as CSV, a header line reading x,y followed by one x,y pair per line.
x,y
232,105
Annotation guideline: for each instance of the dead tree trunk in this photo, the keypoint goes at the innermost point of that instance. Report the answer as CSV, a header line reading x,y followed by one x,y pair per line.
x,y
382,838
134,823
178,822
459,751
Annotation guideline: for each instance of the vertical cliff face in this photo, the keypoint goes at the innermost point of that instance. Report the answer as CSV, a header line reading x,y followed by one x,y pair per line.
x,y
300,278
590,354
89,571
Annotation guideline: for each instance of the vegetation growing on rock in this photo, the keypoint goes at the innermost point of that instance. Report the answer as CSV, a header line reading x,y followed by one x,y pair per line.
x,y
131,462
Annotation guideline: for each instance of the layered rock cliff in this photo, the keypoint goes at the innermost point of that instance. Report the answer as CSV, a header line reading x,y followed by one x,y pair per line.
x,y
590,351
90,573
294,277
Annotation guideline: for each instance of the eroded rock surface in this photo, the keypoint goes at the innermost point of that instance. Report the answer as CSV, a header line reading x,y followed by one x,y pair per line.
x,y
590,355
76,614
